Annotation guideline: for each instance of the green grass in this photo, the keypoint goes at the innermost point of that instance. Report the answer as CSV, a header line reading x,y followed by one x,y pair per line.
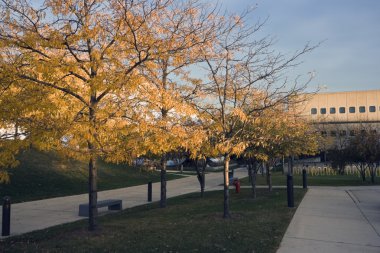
x,y
43,175
320,180
188,224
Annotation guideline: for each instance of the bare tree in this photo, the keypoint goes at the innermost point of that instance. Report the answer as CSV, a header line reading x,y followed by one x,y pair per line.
x,y
245,78
364,151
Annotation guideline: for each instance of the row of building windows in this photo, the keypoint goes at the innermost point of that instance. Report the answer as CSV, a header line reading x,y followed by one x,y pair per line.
x,y
351,109
343,132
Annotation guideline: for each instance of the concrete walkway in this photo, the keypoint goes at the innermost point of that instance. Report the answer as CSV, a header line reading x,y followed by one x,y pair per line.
x,y
41,214
336,220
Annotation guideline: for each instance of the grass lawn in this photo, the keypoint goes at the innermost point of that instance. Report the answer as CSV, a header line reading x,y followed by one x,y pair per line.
x,y
188,224
321,180
44,175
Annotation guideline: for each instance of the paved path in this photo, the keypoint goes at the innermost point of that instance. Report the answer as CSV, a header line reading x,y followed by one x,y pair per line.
x,y
335,220
36,215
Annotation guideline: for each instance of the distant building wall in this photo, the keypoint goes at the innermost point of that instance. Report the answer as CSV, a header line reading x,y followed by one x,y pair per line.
x,y
339,116
350,106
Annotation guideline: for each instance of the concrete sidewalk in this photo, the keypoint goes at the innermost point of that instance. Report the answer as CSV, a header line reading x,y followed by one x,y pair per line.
x,y
36,215
335,219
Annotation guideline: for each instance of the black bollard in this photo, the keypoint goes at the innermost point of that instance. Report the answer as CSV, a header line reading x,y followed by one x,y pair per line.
x,y
150,191
304,179
6,225
289,187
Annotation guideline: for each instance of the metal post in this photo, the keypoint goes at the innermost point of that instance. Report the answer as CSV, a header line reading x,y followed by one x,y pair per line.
x,y
304,178
6,225
289,187
150,191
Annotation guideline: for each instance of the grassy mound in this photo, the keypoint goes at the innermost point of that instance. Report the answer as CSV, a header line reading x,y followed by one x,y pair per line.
x,y
46,174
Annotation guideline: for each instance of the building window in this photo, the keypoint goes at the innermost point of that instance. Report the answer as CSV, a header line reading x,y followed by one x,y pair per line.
x,y
343,133
333,133
352,133
351,109
323,110
372,108
362,109
313,110
332,110
342,109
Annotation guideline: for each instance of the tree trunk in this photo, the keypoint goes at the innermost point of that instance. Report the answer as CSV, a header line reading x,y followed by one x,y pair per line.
x,y
203,183
92,172
269,177
363,175
15,137
163,182
201,174
254,177
92,192
226,211
269,181
253,174
372,171
290,165
341,168
249,172
362,172
203,177
283,165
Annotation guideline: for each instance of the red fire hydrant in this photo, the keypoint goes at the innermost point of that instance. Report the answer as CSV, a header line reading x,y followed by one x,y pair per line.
x,y
237,185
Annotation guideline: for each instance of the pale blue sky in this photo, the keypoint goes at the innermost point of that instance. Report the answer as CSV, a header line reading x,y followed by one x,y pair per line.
x,y
348,59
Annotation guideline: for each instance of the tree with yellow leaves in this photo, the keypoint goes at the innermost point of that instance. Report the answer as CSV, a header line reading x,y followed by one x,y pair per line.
x,y
116,71
275,134
23,109
168,90
201,149
244,78
89,55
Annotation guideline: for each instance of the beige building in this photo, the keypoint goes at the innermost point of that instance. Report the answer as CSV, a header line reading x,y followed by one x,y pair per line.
x,y
338,116
344,107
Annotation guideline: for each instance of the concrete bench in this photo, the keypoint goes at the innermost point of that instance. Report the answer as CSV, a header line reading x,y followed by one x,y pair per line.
x,y
113,204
